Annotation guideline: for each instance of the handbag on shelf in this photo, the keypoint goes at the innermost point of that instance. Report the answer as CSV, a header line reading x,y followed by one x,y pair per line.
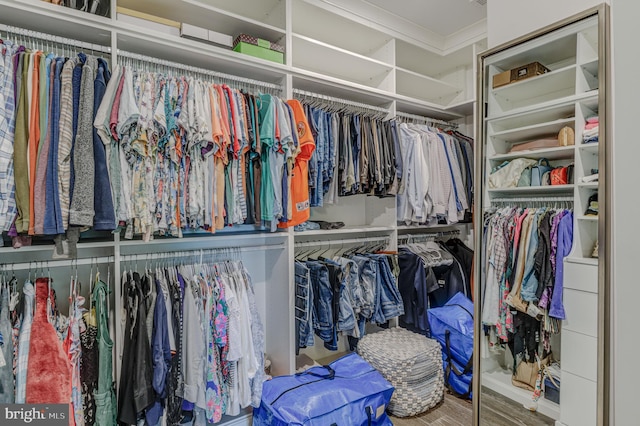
x,y
546,178
539,170
526,373
566,136
562,175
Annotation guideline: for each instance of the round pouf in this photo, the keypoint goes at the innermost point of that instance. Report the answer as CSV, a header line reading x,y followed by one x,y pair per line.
x,y
413,365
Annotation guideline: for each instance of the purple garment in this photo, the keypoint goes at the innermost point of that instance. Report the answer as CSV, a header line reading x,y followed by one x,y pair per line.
x,y
554,238
565,241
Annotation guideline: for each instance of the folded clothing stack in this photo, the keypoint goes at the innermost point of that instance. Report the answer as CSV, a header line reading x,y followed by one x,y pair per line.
x,y
413,365
591,130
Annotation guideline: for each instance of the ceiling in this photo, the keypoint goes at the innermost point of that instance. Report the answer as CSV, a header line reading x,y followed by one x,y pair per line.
x,y
443,17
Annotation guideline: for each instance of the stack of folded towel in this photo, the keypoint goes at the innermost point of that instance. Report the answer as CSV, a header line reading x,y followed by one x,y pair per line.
x,y
590,134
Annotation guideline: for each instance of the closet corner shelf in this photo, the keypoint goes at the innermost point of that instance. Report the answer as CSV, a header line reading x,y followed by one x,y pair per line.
x,y
424,87
500,382
344,231
588,218
583,260
534,190
590,147
422,107
589,185
462,108
557,153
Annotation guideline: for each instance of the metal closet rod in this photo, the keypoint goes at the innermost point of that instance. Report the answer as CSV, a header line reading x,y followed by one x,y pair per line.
x,y
339,100
54,39
203,71
56,263
532,199
429,236
198,252
345,241
426,119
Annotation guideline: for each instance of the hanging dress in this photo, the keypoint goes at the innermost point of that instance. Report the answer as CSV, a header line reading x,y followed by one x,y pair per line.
x,y
49,370
7,394
105,414
24,343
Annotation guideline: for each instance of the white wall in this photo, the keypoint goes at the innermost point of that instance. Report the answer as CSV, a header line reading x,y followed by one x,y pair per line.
x,y
626,227
510,19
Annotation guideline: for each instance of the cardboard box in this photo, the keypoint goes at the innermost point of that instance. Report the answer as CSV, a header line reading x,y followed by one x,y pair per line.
x,y
527,71
150,22
259,48
502,79
191,31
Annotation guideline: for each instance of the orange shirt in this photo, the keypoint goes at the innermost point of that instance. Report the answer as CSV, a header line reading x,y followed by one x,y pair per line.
x,y
300,175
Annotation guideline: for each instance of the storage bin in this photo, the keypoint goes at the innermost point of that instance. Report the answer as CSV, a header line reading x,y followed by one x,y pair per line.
x,y
528,71
259,48
551,391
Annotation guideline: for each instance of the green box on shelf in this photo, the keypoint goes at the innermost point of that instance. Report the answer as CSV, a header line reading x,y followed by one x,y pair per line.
x,y
259,48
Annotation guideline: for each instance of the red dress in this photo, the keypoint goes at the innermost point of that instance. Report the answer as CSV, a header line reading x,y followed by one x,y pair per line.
x,y
48,370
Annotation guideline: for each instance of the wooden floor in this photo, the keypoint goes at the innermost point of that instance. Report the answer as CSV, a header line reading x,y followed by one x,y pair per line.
x,y
496,411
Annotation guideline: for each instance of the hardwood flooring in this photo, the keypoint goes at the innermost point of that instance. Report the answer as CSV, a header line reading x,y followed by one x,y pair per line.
x,y
496,411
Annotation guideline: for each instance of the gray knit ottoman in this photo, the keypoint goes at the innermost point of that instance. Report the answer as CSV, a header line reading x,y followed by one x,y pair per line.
x,y
413,365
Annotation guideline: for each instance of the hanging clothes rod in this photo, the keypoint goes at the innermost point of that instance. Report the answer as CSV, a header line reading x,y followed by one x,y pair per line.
x,y
199,252
426,119
202,71
345,241
428,236
532,199
9,30
333,99
56,263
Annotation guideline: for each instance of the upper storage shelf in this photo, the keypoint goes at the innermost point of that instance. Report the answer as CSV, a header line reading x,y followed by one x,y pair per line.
x,y
264,19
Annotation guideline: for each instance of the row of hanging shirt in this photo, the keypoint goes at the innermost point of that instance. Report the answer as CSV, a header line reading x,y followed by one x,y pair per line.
x,y
52,358
354,153
185,153
194,345
52,166
436,175
431,273
340,292
523,267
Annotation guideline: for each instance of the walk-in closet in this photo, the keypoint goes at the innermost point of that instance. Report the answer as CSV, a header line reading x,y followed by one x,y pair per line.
x,y
203,200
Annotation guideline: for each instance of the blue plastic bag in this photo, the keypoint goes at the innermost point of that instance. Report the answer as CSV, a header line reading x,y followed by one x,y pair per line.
x,y
349,391
452,326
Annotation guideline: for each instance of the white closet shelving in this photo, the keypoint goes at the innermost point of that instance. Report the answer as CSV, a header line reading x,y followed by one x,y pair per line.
x,y
537,108
327,52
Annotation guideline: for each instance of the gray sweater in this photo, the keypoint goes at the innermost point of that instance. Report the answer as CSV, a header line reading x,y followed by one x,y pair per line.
x,y
81,212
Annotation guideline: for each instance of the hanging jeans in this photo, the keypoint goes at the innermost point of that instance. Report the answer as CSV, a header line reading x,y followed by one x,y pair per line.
x,y
304,306
345,320
389,302
323,324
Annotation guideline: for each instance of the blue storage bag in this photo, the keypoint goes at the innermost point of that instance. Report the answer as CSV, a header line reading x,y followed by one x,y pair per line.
x,y
347,392
452,326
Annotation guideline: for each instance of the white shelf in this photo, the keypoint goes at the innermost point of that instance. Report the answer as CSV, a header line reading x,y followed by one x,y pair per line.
x,y
534,190
345,231
541,107
535,90
590,147
591,67
326,59
198,54
236,18
420,107
436,227
37,16
319,24
583,260
557,153
589,185
588,218
500,381
533,131
420,86
462,108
